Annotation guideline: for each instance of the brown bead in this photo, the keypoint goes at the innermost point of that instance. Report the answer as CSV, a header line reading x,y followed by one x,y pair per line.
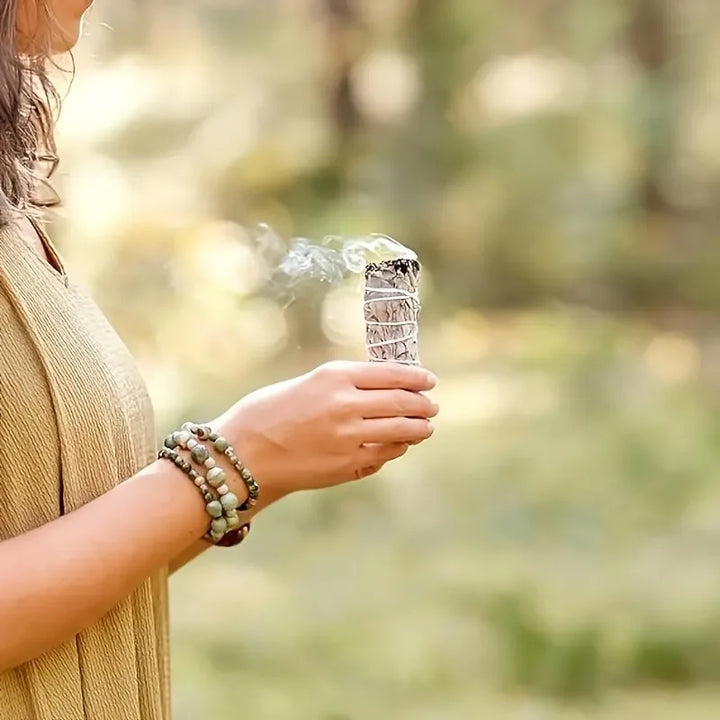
x,y
235,537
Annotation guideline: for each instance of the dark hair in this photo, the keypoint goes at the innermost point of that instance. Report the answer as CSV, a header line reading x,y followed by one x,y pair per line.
x,y
28,102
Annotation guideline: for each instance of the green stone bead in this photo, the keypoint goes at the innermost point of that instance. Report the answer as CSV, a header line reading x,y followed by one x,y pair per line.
x,y
229,501
219,525
221,444
199,454
216,477
216,537
233,522
214,509
181,437
169,442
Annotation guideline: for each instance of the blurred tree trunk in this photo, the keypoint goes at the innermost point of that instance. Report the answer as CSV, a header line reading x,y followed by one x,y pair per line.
x,y
650,274
649,42
342,30
341,22
433,154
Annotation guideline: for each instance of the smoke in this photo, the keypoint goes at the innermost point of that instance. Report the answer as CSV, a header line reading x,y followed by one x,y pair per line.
x,y
292,263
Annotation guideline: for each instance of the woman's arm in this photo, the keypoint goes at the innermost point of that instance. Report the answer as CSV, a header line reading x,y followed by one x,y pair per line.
x,y
327,427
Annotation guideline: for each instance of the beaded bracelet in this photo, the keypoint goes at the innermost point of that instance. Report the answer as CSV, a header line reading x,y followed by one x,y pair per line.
x,y
225,529
200,454
204,432
225,520
222,509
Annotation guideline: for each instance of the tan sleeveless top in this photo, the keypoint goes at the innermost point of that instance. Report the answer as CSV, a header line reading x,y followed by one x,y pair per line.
x,y
75,419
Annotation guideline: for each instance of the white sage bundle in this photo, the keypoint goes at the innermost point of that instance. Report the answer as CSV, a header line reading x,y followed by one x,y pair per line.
x,y
392,308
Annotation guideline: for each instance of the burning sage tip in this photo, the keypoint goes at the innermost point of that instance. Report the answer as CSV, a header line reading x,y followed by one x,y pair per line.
x,y
398,265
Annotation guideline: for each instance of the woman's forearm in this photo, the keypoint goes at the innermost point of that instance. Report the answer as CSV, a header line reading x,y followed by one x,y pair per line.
x,y
61,577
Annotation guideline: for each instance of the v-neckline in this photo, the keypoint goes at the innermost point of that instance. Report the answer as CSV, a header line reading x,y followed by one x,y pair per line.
x,y
52,260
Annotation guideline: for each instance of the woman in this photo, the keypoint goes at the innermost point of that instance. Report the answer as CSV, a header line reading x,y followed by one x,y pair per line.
x,y
91,522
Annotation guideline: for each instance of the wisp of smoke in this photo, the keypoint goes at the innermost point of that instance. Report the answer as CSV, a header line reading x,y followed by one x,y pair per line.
x,y
330,260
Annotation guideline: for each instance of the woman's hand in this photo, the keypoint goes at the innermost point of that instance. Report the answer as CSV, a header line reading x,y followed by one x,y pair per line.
x,y
340,422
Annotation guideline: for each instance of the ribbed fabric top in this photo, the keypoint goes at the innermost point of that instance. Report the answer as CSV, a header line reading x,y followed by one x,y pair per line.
x,y
75,419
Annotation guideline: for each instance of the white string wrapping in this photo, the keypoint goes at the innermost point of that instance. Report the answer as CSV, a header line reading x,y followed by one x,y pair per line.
x,y
389,295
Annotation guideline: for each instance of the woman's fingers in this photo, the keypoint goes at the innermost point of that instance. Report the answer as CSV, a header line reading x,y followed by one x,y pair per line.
x,y
396,403
395,430
387,376
377,454
374,455
364,472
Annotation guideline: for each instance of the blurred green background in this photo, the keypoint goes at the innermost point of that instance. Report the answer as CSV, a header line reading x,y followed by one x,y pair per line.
x,y
554,552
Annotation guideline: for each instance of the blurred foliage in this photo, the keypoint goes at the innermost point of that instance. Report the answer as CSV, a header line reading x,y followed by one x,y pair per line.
x,y
553,552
